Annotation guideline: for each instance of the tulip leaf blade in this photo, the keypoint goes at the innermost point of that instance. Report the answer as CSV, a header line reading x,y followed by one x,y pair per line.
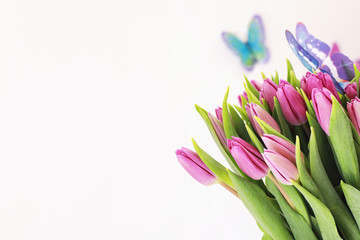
x,y
309,106
243,114
227,121
289,70
299,227
261,208
239,124
224,150
298,201
342,143
352,196
257,143
305,178
330,198
323,215
251,87
276,78
279,117
268,129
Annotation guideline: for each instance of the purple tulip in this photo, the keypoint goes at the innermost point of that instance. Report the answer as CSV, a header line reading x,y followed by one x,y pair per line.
x,y
195,166
219,129
322,106
281,146
248,158
292,104
268,92
353,108
319,80
282,168
218,113
253,110
351,90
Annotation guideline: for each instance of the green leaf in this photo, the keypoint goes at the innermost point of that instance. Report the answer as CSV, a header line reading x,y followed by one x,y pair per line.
x,y
299,131
331,199
252,98
243,114
352,196
280,119
225,151
325,151
308,103
251,88
315,227
261,208
305,178
342,143
263,76
299,227
229,128
298,201
293,80
276,79
218,169
323,215
239,124
269,130
266,237
289,70
257,143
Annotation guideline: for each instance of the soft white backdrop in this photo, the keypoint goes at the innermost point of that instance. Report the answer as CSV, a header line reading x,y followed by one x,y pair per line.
x,y
96,96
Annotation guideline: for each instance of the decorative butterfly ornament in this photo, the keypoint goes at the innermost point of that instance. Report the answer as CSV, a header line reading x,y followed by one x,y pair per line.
x,y
253,50
315,54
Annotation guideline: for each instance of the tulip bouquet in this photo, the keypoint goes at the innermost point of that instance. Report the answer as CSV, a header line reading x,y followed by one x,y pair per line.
x,y
293,150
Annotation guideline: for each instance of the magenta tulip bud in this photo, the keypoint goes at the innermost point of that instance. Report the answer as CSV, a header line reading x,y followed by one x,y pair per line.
x,y
353,108
245,96
351,90
292,104
253,110
319,80
195,166
282,168
281,146
322,103
218,113
256,85
248,158
218,128
269,92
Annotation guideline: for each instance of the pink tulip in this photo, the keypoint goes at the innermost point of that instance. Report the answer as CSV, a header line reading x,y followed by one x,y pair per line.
x,y
322,106
218,113
351,90
354,112
281,146
292,104
253,110
248,158
256,85
283,169
319,80
195,166
268,92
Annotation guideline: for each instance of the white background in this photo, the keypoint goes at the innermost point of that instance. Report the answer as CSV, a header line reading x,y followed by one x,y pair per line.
x,y
96,96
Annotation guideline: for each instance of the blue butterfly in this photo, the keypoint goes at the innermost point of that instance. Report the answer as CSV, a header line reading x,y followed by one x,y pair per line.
x,y
315,54
253,50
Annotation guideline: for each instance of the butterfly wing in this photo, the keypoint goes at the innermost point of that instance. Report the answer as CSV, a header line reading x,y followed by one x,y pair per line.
x,y
334,49
340,67
256,39
305,57
241,49
318,49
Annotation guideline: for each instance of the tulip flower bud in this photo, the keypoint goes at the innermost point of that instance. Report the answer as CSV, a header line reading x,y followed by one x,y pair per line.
x,y
218,113
281,146
253,110
218,128
351,90
269,92
322,106
195,166
282,168
319,80
353,108
248,158
292,104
